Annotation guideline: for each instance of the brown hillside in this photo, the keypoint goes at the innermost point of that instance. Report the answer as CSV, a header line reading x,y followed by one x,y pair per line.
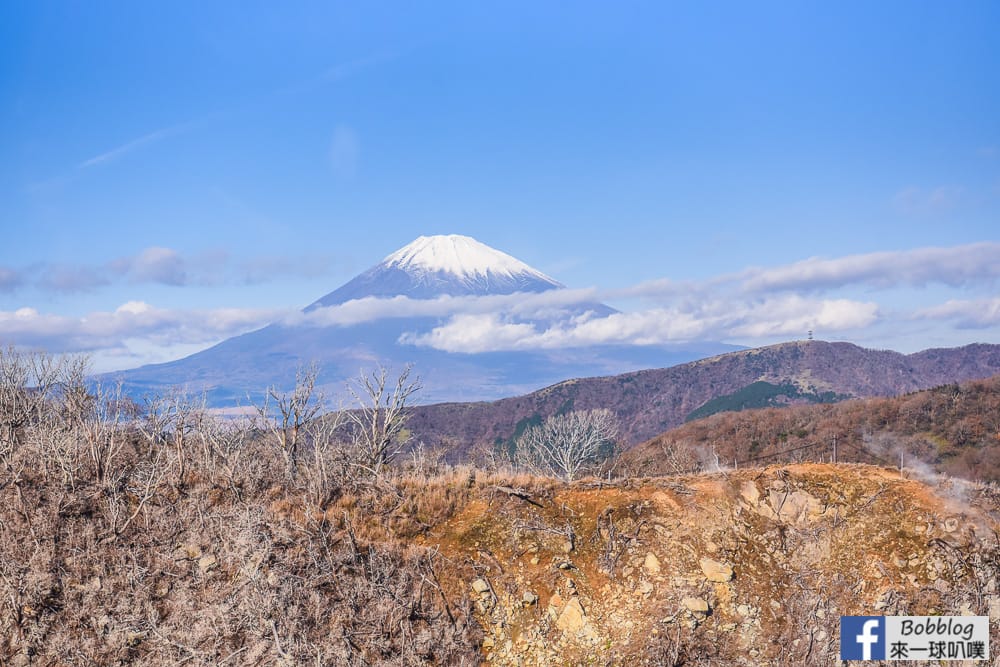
x,y
753,567
952,428
652,401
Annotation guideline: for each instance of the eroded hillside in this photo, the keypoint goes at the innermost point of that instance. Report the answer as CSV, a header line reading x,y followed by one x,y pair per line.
x,y
751,567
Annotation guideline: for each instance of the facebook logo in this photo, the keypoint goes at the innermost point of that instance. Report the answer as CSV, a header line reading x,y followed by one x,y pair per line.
x,y
862,638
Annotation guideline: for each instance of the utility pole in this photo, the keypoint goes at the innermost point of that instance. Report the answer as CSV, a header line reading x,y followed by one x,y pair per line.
x,y
834,448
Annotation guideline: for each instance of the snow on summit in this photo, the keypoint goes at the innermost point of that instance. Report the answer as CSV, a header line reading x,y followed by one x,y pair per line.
x,y
462,256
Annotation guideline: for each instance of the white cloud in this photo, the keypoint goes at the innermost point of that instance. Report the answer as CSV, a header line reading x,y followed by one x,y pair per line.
x,y
132,320
793,315
954,266
490,332
967,314
368,309
748,307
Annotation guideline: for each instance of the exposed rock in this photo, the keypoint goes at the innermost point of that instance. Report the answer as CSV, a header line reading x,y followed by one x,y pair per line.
x,y
573,617
652,563
716,571
795,506
696,605
480,586
678,584
749,493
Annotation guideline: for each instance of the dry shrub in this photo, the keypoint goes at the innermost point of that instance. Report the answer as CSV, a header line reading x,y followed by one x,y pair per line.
x,y
146,546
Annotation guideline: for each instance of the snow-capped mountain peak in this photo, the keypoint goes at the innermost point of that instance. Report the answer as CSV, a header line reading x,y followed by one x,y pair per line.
x,y
434,266
461,256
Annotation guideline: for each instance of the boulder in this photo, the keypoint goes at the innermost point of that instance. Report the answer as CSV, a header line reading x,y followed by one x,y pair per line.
x,y
716,571
695,605
652,563
573,617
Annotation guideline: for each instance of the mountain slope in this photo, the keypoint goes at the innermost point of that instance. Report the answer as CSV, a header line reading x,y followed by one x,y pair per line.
x,y
952,428
374,318
649,402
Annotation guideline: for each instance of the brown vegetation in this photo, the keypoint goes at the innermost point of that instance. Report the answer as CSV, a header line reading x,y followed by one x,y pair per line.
x,y
178,538
954,429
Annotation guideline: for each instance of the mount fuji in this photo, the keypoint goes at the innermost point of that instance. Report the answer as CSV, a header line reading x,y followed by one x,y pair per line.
x,y
389,315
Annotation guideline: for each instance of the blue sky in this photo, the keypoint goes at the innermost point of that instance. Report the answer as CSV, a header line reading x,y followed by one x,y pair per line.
x,y
175,174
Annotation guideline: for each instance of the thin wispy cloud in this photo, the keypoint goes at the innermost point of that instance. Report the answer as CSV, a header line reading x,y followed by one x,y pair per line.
x,y
965,313
912,200
158,265
334,73
10,279
954,266
135,144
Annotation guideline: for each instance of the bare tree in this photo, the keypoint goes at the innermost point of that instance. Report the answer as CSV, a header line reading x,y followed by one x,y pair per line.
x,y
26,383
226,451
287,414
323,466
678,456
172,420
102,432
379,421
568,444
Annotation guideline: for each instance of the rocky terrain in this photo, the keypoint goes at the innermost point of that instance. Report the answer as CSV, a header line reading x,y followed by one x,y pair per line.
x,y
753,567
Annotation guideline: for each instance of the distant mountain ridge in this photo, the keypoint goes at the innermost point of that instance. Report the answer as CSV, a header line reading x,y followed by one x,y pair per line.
x,y
409,289
649,402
